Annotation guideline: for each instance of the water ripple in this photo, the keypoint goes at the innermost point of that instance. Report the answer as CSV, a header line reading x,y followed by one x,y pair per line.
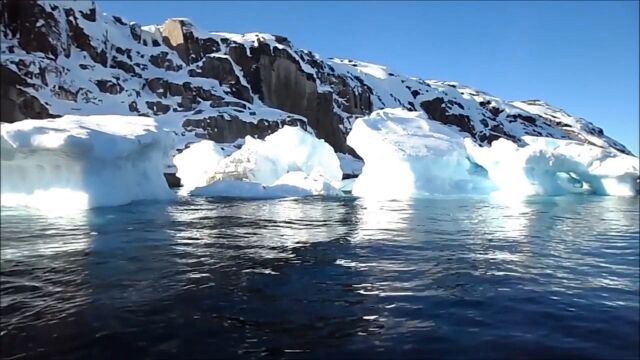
x,y
314,278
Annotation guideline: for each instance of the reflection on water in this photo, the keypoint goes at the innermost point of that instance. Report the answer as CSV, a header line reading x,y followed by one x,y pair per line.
x,y
314,278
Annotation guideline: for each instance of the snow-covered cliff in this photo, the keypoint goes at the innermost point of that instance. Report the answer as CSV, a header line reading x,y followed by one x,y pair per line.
x,y
66,57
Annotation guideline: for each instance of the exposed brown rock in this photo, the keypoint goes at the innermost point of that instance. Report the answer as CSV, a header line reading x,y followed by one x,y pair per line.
x,y
221,69
20,17
172,180
158,107
15,103
229,128
63,93
109,87
177,35
437,111
161,61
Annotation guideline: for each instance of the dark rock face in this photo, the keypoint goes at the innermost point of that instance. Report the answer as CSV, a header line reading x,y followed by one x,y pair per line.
x,y
15,103
286,87
158,107
178,35
109,87
21,19
222,128
69,57
221,69
437,110
172,180
161,61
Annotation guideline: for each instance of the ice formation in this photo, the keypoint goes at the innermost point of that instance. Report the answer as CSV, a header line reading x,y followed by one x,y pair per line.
x,y
197,163
408,155
290,162
556,167
314,184
288,149
405,154
292,184
77,162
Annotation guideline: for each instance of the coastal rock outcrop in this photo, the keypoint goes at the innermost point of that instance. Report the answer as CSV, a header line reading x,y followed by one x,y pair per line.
x,y
67,57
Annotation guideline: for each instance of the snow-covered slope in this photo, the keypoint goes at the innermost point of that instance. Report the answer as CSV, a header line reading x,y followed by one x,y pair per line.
x,y
66,57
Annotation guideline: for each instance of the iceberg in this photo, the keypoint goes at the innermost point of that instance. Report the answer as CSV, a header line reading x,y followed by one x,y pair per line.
x,y
408,155
196,164
288,149
292,184
547,166
287,163
314,184
405,155
79,162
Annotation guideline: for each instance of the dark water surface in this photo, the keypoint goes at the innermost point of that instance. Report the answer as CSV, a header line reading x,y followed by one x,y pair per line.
x,y
323,279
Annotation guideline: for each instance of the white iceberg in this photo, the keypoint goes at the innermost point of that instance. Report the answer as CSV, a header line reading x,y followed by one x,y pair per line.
x,y
405,154
314,184
288,149
196,164
408,155
290,162
549,166
292,184
79,162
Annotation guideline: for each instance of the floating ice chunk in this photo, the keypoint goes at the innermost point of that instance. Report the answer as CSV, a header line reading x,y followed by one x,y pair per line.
x,y
250,163
197,164
555,167
347,185
248,190
315,183
293,184
289,149
78,162
406,154
288,163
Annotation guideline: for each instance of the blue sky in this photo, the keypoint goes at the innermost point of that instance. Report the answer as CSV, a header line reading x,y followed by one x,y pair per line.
x,y
579,56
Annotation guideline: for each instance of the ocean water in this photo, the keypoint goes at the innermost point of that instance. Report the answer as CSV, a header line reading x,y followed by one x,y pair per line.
x,y
324,278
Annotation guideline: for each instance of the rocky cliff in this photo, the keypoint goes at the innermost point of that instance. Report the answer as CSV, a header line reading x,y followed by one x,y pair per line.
x,y
66,57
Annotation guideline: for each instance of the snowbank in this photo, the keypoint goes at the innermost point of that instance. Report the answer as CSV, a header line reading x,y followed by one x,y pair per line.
x,y
77,162
196,164
409,155
555,167
290,162
405,154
